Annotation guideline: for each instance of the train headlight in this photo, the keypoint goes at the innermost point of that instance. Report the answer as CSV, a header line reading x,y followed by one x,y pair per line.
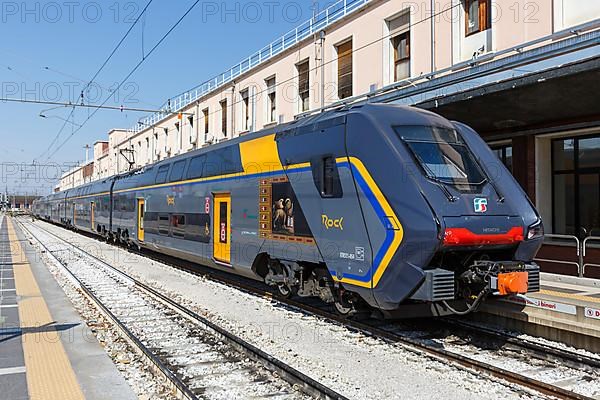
x,y
535,230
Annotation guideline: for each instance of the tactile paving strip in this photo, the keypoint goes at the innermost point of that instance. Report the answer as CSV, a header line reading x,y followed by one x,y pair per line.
x,y
49,371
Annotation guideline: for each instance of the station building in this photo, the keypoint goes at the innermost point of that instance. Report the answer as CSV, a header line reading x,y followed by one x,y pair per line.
x,y
524,74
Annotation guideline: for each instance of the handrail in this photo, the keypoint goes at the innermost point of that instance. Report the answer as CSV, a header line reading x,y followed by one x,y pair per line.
x,y
584,266
584,246
588,239
568,237
549,260
579,262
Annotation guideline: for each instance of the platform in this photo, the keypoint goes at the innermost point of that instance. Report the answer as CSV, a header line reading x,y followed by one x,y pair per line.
x,y
46,351
566,309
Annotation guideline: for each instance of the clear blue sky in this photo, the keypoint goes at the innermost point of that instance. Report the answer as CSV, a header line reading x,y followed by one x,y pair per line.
x,y
51,49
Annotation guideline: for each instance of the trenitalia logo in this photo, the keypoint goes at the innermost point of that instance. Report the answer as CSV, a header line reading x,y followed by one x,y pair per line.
x,y
330,223
480,205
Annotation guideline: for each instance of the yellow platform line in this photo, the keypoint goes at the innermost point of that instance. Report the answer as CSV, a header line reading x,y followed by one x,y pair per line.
x,y
573,296
50,375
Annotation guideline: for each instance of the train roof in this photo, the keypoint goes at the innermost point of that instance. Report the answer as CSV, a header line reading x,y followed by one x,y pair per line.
x,y
400,115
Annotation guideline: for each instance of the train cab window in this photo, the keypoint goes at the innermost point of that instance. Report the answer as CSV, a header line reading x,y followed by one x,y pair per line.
x,y
161,175
326,177
177,171
443,155
196,167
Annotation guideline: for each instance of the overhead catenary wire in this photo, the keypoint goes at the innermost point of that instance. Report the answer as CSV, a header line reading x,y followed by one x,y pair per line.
x,y
106,61
135,68
89,84
79,105
278,84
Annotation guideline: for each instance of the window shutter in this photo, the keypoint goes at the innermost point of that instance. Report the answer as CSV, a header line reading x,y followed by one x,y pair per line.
x,y
345,70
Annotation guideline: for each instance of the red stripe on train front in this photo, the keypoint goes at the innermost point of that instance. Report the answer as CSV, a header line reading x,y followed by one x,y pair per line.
x,y
464,237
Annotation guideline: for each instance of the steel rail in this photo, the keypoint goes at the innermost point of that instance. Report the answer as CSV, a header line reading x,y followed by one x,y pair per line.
x,y
180,388
410,344
547,352
291,375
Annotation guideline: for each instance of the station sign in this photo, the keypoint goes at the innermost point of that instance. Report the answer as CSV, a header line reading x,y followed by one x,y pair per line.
x,y
592,313
544,304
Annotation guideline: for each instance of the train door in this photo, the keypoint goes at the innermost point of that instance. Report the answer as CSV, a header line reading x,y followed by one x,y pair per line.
x,y
140,219
74,214
92,210
222,228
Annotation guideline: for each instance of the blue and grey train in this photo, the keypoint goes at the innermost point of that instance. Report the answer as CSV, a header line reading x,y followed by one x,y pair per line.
x,y
380,207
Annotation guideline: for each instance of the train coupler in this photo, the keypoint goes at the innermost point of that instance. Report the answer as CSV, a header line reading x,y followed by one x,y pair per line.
x,y
509,278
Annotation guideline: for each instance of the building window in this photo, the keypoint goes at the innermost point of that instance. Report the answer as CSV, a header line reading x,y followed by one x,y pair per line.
x,y
224,117
178,137
166,130
304,86
155,146
148,153
190,119
401,56
478,16
504,154
271,99
399,28
344,60
245,110
576,186
205,115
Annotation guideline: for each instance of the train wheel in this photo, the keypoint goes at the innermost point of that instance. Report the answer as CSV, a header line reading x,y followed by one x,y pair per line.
x,y
286,291
345,310
345,303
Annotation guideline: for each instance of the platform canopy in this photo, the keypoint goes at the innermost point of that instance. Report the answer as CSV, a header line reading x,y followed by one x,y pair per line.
x,y
541,102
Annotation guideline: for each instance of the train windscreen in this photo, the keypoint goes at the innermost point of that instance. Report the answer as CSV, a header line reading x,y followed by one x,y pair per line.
x,y
443,155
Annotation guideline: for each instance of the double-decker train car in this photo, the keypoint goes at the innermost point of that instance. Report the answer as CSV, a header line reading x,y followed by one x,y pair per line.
x,y
377,207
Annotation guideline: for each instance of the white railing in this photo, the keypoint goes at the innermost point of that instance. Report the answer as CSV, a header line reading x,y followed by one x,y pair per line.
x,y
577,242
581,248
320,21
585,245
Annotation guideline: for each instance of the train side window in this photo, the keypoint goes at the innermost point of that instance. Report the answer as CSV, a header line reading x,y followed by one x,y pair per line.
x,y
177,171
222,162
326,177
161,175
163,224
196,167
178,225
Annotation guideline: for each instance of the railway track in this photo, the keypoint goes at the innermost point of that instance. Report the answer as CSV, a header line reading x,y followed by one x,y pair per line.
x,y
198,358
452,349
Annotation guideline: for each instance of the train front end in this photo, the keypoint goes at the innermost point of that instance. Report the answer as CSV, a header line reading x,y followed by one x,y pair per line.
x,y
470,232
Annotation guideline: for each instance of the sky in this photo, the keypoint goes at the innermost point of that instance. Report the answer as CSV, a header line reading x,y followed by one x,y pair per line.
x,y
50,50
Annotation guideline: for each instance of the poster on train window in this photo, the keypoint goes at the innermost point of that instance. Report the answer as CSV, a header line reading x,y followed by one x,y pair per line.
x,y
288,218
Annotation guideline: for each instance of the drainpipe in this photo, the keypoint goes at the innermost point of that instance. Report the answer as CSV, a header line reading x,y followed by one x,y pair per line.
x,y
322,59
197,141
232,113
253,102
433,66
154,144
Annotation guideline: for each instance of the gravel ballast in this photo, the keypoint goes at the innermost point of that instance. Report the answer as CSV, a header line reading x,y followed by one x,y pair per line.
x,y
349,362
